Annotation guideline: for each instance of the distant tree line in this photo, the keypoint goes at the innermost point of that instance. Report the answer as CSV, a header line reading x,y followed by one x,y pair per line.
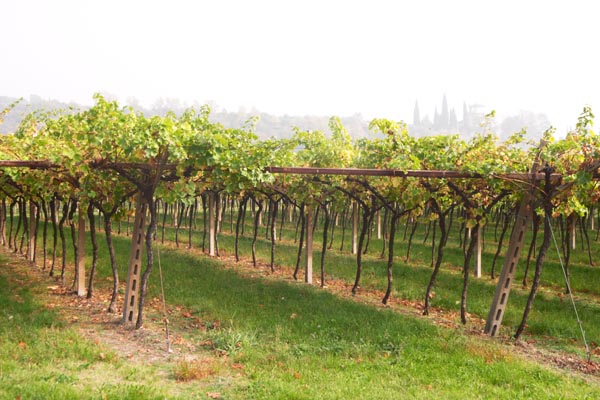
x,y
473,116
281,126
269,125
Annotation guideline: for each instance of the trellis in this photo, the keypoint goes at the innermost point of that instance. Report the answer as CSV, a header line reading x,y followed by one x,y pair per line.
x,y
130,308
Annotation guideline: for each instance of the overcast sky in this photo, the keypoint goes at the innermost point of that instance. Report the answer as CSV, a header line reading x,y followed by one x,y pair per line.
x,y
311,56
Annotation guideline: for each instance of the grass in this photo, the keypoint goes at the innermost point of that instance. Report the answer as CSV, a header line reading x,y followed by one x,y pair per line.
x,y
552,314
297,341
42,357
188,370
291,340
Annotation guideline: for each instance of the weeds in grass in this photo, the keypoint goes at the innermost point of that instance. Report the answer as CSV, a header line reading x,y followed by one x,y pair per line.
x,y
187,370
489,352
229,341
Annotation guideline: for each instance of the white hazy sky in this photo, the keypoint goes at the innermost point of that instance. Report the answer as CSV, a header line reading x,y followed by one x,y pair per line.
x,y
320,57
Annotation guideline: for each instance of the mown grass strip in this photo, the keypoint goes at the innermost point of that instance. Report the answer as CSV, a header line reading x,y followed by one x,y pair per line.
x,y
298,341
552,319
42,357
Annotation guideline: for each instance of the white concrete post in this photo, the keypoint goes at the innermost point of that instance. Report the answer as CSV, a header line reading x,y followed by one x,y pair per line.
x,y
354,227
212,229
309,246
478,256
81,289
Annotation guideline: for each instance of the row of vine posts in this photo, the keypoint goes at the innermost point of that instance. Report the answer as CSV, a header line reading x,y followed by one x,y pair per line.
x,y
107,156
141,234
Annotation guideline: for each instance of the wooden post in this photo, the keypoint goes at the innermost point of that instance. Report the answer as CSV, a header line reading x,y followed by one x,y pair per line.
x,y
212,248
478,255
132,288
81,289
354,227
309,246
378,224
30,244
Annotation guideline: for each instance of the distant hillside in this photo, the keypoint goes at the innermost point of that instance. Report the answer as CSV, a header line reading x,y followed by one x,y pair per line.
x,y
268,126
24,107
281,126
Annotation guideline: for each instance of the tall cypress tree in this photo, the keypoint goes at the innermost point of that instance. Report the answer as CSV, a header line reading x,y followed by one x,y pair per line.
x,y
416,115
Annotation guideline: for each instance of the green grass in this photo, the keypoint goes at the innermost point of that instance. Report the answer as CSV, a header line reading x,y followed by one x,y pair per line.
x,y
552,314
41,357
298,341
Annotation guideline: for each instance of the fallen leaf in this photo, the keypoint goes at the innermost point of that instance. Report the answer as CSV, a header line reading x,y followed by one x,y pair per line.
x,y
213,395
179,340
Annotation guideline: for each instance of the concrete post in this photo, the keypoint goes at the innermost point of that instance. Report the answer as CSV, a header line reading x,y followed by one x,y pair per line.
x,y
517,239
212,229
354,227
30,244
574,234
132,289
309,246
81,289
3,222
478,255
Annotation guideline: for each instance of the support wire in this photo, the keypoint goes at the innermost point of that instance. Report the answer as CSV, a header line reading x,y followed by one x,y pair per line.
x,y
587,347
